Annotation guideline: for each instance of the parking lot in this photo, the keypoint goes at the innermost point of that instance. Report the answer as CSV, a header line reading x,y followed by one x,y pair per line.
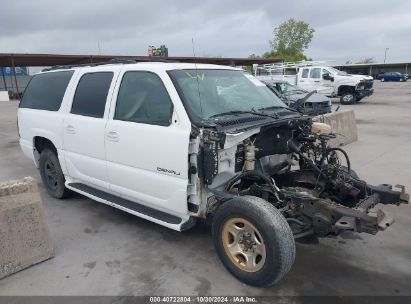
x,y
100,250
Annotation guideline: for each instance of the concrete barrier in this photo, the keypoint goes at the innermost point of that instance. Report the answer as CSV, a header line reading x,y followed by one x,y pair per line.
x,y
343,124
4,96
24,235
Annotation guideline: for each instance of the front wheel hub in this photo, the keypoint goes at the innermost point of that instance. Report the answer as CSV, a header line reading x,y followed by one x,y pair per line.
x,y
243,244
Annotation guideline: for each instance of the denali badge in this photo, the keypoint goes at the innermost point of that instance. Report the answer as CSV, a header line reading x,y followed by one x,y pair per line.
x,y
167,171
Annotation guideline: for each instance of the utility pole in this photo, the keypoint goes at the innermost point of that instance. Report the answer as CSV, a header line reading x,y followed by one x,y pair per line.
x,y
385,54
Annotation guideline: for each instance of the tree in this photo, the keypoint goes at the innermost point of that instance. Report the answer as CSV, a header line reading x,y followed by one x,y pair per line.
x,y
290,40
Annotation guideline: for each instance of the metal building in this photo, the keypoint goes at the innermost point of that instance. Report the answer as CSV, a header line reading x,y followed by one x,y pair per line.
x,y
373,69
15,83
14,80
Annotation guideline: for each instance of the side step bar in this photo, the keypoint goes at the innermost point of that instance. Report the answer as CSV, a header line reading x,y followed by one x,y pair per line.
x,y
160,217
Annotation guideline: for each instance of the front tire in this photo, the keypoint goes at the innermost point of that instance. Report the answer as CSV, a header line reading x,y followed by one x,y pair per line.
x,y
348,98
52,175
253,240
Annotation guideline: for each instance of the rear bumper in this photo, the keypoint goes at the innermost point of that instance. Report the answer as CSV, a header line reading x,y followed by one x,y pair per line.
x,y
27,148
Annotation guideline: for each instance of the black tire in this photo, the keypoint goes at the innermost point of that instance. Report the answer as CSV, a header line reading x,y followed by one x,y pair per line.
x,y
348,98
271,226
52,175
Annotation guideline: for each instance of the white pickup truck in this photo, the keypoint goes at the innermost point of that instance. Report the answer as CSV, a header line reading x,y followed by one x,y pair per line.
x,y
330,82
178,143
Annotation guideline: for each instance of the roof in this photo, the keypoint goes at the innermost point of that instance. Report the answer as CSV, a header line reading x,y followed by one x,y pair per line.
x,y
159,66
391,64
59,59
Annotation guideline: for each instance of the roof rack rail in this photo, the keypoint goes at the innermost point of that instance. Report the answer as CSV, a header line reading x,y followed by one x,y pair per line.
x,y
91,64
154,59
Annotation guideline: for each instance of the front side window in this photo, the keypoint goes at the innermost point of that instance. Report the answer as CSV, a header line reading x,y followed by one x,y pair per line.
x,y
315,73
91,94
305,73
46,91
143,98
209,92
337,72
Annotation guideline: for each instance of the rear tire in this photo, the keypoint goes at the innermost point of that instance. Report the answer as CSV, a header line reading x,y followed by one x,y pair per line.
x,y
253,240
52,175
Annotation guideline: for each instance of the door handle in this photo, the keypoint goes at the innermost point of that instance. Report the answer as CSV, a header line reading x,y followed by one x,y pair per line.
x,y
301,80
112,136
316,81
70,129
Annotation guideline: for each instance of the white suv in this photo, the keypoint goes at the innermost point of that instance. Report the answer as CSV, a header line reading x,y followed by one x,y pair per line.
x,y
174,143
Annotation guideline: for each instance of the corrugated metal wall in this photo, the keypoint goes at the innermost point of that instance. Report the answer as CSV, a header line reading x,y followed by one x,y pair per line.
x,y
22,82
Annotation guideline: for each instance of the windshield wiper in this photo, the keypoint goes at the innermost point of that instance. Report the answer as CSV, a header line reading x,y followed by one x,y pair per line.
x,y
229,113
276,107
254,112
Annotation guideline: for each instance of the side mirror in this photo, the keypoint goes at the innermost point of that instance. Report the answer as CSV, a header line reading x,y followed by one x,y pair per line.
x,y
327,76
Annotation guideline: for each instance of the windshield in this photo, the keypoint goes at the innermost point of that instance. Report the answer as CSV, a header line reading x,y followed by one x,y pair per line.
x,y
335,71
289,89
212,92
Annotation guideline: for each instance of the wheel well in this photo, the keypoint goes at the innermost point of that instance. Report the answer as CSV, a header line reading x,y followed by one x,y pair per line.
x,y
41,143
345,89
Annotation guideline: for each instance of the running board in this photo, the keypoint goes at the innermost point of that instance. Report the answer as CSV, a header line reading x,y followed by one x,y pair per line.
x,y
157,216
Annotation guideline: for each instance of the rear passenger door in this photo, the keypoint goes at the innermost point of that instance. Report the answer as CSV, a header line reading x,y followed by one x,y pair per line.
x,y
84,127
303,81
146,146
313,80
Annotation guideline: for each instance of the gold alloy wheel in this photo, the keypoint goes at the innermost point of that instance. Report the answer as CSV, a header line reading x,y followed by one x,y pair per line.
x,y
243,244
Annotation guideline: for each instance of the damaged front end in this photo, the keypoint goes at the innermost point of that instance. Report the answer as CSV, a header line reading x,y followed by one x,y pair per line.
x,y
289,163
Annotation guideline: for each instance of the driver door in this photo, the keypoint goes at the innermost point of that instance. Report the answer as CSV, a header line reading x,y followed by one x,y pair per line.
x,y
326,86
147,145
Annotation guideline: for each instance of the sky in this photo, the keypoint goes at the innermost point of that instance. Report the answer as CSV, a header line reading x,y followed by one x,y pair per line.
x,y
344,30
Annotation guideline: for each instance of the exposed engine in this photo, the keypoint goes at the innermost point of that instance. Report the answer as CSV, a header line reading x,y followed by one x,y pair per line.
x,y
293,167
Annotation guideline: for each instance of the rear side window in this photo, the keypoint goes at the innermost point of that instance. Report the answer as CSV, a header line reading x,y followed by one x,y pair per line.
x,y
315,73
46,91
143,98
305,73
91,94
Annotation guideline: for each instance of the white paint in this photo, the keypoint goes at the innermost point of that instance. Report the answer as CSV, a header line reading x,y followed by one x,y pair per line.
x,y
319,84
254,80
4,96
144,163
